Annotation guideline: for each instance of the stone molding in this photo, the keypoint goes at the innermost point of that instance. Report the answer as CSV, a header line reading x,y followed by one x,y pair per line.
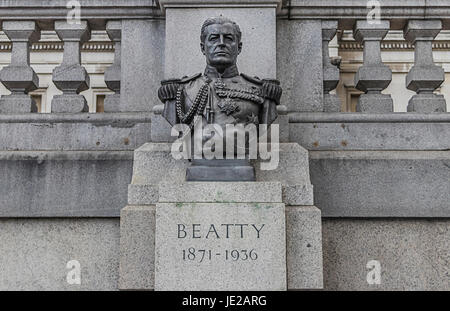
x,y
97,12
348,11
164,4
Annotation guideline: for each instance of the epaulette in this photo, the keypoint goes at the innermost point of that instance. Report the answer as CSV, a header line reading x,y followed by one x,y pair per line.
x,y
187,79
255,80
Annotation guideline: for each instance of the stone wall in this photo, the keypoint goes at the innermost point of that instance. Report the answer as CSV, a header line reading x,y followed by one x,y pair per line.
x,y
413,253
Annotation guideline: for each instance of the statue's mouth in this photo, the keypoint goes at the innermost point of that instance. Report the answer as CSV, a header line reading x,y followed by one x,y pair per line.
x,y
222,53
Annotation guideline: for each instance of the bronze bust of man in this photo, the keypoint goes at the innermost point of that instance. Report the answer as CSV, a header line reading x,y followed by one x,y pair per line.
x,y
221,95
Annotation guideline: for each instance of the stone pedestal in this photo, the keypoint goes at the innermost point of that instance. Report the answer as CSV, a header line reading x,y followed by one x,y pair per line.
x,y
170,225
220,236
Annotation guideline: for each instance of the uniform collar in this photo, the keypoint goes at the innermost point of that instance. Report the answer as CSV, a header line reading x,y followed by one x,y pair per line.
x,y
230,72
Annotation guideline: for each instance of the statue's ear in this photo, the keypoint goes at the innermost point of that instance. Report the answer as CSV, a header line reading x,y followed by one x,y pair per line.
x,y
239,47
202,48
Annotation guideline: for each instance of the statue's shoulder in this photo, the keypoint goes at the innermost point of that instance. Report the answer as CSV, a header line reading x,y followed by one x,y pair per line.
x,y
169,87
254,80
187,79
271,88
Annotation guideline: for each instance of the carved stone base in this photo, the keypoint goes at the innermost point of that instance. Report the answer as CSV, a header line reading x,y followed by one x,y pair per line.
x,y
166,214
427,103
375,103
17,104
69,104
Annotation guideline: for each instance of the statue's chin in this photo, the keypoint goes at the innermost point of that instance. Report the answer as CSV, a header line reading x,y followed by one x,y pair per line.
x,y
221,62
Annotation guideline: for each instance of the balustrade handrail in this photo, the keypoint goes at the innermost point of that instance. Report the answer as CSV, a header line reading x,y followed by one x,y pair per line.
x,y
97,12
348,11
358,117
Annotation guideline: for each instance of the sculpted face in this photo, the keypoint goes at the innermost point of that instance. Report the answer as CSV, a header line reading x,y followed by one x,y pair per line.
x,y
221,46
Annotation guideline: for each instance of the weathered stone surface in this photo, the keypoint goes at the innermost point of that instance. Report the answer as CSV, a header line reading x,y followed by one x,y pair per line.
x,y
91,132
331,103
137,248
69,104
381,183
142,63
304,247
425,77
346,132
375,103
64,184
19,78
17,104
299,67
112,103
298,195
220,192
283,124
343,181
292,169
373,78
261,267
427,103
102,10
143,194
161,129
413,253
153,163
35,254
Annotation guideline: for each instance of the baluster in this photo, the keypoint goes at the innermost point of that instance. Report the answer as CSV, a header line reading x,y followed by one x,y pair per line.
x,y
19,77
112,74
71,77
331,102
373,77
424,77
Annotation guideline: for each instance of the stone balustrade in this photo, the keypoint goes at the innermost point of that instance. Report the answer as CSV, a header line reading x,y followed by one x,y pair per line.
x,y
137,30
424,77
19,77
373,76
71,77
